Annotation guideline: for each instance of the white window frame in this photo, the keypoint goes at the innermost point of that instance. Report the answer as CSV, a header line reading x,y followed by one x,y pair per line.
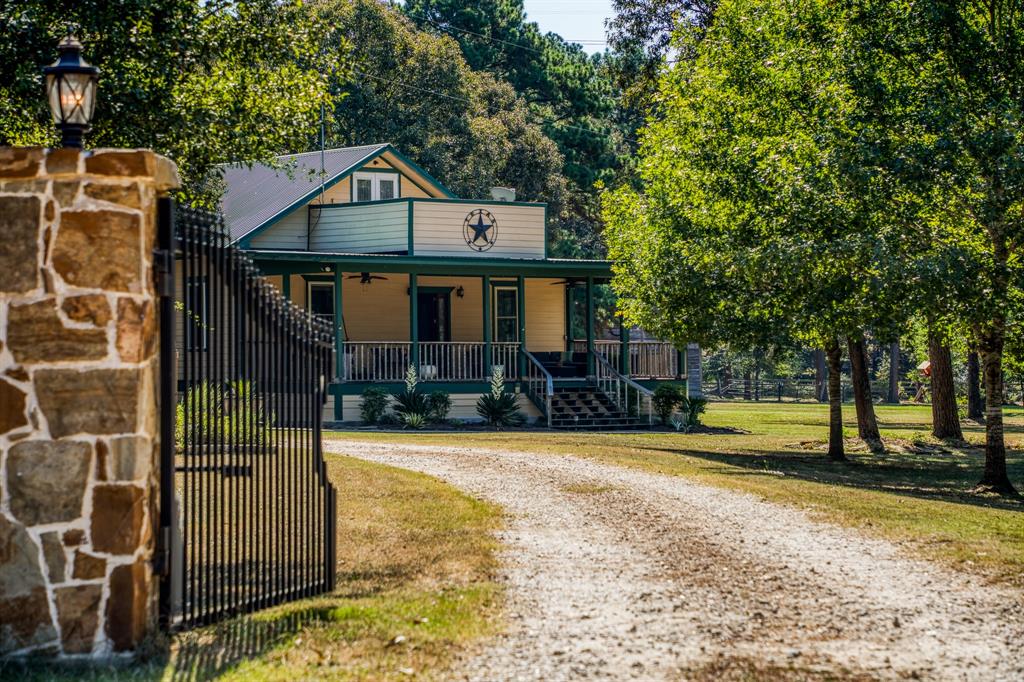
x,y
496,316
375,179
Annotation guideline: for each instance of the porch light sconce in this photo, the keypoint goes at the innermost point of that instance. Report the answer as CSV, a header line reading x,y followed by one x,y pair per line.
x,y
460,292
71,92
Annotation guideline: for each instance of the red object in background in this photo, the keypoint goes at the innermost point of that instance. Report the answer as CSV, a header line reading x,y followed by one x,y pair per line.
x,y
926,368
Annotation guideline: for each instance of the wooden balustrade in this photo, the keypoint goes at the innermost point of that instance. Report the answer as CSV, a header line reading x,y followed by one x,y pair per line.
x,y
647,359
388,361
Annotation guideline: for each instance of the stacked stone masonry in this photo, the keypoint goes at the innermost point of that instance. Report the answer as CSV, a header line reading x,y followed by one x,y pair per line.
x,y
78,392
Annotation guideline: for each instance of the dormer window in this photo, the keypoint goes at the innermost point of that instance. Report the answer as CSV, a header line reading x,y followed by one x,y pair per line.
x,y
374,186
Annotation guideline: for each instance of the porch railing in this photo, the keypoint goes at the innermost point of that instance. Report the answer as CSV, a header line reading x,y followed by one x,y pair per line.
x,y
539,385
438,360
647,359
628,396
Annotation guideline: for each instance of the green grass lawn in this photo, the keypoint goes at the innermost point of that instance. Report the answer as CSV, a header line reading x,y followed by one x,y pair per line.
x,y
918,493
415,585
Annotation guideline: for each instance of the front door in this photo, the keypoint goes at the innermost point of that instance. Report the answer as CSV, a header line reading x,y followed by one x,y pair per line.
x,y
434,316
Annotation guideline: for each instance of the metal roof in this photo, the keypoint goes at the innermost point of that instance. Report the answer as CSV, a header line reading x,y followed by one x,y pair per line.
x,y
258,194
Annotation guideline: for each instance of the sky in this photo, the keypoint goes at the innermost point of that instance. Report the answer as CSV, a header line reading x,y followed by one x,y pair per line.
x,y
579,21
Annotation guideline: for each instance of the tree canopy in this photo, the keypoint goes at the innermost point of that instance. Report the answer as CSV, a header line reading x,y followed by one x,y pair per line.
x,y
203,82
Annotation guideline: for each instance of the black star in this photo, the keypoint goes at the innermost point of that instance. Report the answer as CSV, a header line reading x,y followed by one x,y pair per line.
x,y
480,229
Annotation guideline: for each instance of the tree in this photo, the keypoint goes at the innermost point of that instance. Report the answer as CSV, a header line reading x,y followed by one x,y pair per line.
x,y
761,207
202,82
414,89
867,425
959,70
945,416
641,33
568,93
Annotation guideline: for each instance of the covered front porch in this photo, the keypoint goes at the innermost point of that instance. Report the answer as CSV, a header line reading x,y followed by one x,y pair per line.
x,y
455,319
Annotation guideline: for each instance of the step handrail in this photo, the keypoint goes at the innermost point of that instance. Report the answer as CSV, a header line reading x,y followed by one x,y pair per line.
x,y
616,386
540,385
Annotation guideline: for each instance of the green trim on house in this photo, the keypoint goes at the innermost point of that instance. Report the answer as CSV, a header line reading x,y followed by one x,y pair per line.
x,y
245,240
591,368
521,314
410,245
414,321
339,333
485,202
317,278
274,262
422,171
486,284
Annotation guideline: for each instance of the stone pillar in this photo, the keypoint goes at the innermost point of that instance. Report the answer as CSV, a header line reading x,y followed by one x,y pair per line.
x,y
694,371
78,400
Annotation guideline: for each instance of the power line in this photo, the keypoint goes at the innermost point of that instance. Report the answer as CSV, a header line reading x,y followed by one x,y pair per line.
x,y
447,28
466,100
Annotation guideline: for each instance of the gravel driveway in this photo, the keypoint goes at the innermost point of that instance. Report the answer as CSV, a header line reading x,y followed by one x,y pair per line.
x,y
615,573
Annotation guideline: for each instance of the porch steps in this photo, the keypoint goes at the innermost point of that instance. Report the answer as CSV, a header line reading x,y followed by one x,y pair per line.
x,y
588,409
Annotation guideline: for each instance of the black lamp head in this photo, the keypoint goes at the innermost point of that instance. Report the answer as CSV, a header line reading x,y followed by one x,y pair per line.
x,y
71,92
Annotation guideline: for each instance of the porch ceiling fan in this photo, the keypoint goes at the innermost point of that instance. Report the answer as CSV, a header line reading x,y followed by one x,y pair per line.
x,y
365,277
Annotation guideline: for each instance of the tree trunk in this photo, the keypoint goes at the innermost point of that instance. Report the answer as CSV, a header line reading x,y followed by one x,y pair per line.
x,y
894,373
945,420
995,478
757,384
867,425
820,377
975,402
835,400
746,385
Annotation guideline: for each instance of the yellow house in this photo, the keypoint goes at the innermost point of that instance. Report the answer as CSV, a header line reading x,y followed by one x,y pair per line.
x,y
409,274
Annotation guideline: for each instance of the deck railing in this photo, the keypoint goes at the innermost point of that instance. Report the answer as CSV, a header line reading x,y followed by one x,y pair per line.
x,y
539,385
647,359
388,361
628,396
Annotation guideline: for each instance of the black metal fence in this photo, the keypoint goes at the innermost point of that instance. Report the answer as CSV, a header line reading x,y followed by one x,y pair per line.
x,y
247,510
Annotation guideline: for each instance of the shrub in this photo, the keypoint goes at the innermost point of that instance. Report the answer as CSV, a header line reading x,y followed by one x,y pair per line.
x,y
666,398
389,419
695,407
212,413
497,407
410,401
439,404
414,421
374,405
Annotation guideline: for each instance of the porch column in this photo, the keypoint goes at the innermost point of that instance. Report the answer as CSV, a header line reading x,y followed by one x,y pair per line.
x,y
340,370
591,368
487,326
521,299
286,285
414,322
624,359
694,371
570,342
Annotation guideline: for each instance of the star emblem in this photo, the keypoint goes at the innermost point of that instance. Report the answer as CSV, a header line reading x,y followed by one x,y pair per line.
x,y
480,229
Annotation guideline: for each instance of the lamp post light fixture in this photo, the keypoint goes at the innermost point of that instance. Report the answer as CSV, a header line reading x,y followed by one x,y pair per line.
x,y
71,91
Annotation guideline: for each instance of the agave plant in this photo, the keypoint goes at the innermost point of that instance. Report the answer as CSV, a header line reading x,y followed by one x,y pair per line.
x,y
414,421
411,401
498,407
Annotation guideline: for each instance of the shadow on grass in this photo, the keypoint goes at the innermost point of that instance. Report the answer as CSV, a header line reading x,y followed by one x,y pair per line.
x,y
948,476
206,654
197,655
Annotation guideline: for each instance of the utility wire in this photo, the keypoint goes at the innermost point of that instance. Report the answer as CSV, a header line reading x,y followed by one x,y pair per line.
x,y
490,109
